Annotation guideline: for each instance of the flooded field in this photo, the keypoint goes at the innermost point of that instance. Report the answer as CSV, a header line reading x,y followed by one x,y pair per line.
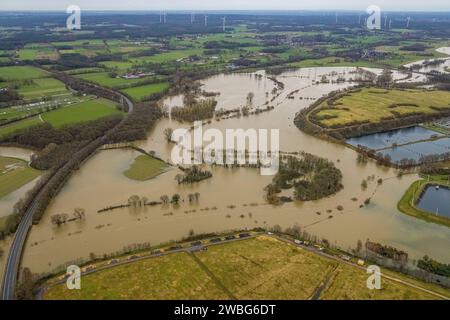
x,y
233,198
436,200
399,136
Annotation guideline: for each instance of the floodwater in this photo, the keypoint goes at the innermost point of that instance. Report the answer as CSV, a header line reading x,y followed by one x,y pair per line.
x,y
441,67
436,200
388,138
233,198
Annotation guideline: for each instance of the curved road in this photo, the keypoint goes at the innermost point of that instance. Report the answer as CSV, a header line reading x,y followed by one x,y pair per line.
x,y
15,253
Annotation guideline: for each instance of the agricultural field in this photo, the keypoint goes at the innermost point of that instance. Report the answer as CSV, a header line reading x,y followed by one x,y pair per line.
x,y
40,53
105,79
145,168
71,113
81,112
10,128
177,276
37,88
255,269
142,92
374,105
21,73
14,173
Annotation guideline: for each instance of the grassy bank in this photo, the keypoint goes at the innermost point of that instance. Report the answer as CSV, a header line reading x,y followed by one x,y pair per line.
x,y
14,173
407,202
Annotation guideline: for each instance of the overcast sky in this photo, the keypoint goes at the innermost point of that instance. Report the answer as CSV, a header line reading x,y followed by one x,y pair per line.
x,y
401,5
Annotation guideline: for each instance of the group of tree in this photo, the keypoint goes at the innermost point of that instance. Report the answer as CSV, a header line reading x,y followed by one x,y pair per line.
x,y
311,177
193,174
434,266
195,110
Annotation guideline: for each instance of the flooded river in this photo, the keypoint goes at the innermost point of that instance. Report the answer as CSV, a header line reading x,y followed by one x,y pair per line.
x,y
233,198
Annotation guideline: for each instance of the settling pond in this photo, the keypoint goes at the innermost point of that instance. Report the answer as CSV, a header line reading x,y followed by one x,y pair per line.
x,y
436,200
408,143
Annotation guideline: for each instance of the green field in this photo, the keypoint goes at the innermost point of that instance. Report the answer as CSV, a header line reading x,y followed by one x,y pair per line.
x,y
14,173
409,199
81,112
77,112
5,130
254,269
43,87
43,53
104,79
145,168
21,73
373,105
142,92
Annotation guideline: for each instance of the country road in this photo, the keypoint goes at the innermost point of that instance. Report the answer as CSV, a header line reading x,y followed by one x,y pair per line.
x,y
12,266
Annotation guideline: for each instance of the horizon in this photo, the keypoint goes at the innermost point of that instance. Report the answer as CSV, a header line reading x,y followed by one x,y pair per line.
x,y
230,5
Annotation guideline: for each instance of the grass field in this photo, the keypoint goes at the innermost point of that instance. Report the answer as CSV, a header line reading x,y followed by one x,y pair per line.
x,y
21,73
145,168
38,53
177,276
14,173
103,79
374,105
142,92
81,112
7,129
254,269
43,87
407,202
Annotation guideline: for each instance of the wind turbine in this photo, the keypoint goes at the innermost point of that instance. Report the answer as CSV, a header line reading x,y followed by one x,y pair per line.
x,y
385,21
336,18
407,22
192,17
224,19
390,23
165,17
206,21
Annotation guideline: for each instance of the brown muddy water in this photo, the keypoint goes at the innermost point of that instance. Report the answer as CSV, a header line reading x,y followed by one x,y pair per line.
x,y
233,198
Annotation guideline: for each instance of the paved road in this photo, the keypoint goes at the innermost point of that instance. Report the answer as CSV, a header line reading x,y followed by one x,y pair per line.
x,y
15,253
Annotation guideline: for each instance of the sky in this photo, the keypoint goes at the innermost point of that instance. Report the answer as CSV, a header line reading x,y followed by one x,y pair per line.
x,y
386,5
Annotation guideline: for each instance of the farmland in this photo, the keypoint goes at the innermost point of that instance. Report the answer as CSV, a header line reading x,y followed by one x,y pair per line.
x,y
105,79
81,112
42,87
375,105
142,92
70,113
255,269
21,73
